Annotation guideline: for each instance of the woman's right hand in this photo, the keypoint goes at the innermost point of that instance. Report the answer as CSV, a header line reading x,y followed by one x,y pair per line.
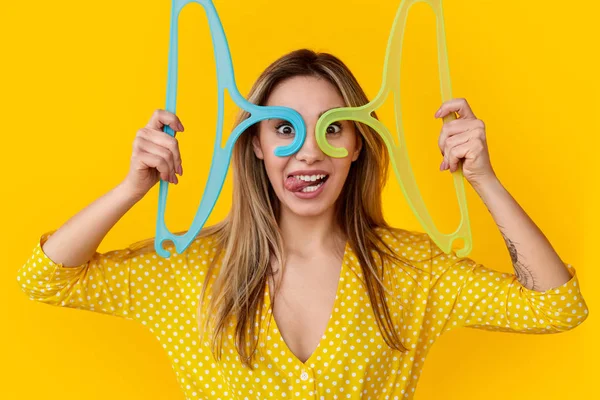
x,y
155,154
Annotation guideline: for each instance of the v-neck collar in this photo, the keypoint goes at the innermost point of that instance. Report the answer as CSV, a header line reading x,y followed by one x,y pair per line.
x,y
329,338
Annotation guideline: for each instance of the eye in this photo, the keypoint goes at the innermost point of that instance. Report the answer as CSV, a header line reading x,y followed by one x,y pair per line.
x,y
335,127
285,129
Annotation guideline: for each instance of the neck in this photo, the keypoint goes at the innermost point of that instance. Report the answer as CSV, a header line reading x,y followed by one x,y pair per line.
x,y
307,235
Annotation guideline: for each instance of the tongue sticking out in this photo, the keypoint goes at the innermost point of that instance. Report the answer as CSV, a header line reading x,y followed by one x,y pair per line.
x,y
295,185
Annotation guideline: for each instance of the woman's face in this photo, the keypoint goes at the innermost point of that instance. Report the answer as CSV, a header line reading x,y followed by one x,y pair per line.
x,y
307,182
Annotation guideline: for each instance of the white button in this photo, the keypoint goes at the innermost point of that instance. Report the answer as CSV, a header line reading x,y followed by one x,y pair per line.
x,y
304,376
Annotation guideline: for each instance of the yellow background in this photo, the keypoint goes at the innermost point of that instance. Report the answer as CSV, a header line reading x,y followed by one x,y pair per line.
x,y
79,78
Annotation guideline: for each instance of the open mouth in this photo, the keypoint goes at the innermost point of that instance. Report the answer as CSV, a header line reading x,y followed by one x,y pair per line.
x,y
305,183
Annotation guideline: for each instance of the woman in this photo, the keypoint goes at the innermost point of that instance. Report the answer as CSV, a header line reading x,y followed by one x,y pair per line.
x,y
358,303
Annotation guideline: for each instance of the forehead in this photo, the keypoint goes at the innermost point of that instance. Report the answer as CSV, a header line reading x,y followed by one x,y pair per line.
x,y
306,94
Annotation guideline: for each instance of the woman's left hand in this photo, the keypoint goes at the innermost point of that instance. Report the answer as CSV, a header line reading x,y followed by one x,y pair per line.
x,y
463,139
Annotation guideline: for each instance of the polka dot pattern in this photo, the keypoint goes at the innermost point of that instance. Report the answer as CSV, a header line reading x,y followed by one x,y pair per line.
x,y
437,292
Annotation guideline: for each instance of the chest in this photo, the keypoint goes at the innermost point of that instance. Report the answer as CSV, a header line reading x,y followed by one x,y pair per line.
x,y
320,334
305,303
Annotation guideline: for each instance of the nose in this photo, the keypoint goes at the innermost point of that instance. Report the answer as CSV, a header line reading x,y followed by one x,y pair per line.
x,y
310,152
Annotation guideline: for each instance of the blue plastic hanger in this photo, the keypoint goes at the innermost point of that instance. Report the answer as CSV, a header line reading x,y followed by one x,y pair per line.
x,y
221,155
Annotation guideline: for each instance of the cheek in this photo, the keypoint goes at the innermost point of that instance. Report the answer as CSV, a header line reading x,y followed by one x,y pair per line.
x,y
350,141
274,166
342,166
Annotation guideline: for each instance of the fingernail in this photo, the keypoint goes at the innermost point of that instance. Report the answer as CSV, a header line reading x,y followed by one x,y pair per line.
x,y
180,170
442,166
438,112
181,127
177,171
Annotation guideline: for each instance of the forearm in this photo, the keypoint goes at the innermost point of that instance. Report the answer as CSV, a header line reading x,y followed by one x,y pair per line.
x,y
77,240
537,265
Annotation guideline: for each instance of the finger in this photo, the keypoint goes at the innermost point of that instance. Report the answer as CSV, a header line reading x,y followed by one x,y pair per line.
x,y
163,152
458,105
457,153
453,142
160,118
151,160
165,140
456,127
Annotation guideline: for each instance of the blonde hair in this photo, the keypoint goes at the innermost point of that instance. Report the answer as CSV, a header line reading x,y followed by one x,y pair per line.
x,y
249,235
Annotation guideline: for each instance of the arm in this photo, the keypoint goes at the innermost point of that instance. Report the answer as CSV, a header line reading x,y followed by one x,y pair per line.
x,y
536,264
77,240
544,294
464,293
112,283
65,268
155,155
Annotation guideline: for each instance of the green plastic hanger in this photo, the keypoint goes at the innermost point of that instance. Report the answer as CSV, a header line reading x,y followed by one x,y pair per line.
x,y
398,153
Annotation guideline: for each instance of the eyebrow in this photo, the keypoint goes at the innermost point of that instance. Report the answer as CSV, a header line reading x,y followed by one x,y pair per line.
x,y
332,108
319,116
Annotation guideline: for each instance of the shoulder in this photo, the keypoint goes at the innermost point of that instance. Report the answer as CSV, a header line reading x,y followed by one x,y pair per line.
x,y
204,247
417,249
413,246
190,267
201,250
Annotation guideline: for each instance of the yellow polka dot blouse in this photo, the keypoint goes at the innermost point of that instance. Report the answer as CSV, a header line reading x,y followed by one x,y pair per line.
x,y
352,361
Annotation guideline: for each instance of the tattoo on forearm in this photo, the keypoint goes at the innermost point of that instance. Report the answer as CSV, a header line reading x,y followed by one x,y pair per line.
x,y
524,274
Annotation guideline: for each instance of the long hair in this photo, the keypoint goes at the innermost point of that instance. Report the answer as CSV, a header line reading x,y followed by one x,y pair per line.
x,y
249,236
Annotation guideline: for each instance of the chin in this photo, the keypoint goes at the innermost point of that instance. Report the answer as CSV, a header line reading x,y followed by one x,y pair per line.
x,y
308,210
305,207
